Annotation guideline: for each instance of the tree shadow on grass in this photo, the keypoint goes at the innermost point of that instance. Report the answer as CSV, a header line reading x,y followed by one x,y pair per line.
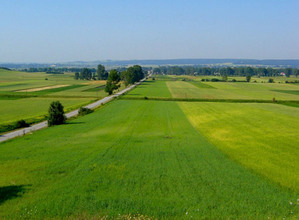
x,y
10,192
134,94
73,123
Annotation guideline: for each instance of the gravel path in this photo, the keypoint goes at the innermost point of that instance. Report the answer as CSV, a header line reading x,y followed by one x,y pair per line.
x,y
44,124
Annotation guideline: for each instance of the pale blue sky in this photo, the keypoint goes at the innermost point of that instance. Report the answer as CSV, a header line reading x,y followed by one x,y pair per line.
x,y
69,30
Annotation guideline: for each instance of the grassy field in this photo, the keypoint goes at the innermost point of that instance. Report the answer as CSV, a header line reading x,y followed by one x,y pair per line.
x,y
130,158
18,100
27,108
262,137
160,159
277,79
151,89
168,88
226,90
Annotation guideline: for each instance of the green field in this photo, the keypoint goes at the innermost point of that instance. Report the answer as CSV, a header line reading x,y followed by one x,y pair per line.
x,y
262,137
167,88
132,157
161,158
18,100
226,90
26,108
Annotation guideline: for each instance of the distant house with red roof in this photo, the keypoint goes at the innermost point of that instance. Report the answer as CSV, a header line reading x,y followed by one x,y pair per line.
x,y
282,74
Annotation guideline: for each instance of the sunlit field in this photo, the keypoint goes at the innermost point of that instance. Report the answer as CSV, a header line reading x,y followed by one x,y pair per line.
x,y
153,156
27,96
130,158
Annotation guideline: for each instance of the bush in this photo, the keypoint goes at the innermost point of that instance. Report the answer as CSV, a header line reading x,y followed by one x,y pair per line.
x,y
84,111
145,97
215,80
56,114
154,78
270,80
21,124
233,80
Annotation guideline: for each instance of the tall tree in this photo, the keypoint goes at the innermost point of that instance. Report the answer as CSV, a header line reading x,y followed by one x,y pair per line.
x,y
86,74
102,74
248,77
288,72
77,75
112,81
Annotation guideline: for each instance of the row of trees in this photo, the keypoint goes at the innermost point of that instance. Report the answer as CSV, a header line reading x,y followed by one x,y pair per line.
x,y
60,70
130,76
89,74
229,71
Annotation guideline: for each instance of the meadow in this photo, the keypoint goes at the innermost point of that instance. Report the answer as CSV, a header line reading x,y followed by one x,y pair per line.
x,y
178,88
156,157
130,158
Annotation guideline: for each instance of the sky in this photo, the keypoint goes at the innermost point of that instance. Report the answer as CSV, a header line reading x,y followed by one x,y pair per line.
x,y
90,30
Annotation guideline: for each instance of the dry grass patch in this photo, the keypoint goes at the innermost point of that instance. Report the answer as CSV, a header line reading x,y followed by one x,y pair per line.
x,y
42,88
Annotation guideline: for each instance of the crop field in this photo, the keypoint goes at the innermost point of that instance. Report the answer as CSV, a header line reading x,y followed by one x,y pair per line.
x,y
28,95
160,158
220,90
25,108
132,157
151,89
168,88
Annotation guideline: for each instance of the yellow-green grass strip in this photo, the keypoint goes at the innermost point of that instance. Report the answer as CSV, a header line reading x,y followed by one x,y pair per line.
x,y
262,137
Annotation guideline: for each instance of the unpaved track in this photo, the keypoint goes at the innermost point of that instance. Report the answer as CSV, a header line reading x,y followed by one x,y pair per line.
x,y
44,124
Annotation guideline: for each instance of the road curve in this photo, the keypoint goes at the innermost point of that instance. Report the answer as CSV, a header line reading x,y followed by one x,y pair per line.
x,y
74,113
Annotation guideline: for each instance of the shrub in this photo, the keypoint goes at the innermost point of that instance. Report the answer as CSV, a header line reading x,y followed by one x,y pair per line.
x,y
84,111
233,80
270,80
145,97
56,114
21,124
215,80
154,78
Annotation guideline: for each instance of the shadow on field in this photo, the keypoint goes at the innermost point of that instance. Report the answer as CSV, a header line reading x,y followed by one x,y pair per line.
x,y
73,123
10,192
134,94
146,83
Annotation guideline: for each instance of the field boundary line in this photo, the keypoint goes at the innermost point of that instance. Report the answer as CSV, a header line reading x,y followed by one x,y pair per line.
x,y
212,100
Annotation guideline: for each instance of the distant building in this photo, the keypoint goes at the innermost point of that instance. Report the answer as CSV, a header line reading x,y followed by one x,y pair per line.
x,y
282,74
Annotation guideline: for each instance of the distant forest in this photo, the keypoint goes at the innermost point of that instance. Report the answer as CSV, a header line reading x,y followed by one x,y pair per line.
x,y
181,70
228,71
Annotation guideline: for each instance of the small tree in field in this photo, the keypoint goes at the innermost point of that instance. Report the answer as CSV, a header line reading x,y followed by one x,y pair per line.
x,y
56,114
248,77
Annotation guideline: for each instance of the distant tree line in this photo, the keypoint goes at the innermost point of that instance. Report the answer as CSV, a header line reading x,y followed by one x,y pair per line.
x,y
59,70
225,71
88,74
4,68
